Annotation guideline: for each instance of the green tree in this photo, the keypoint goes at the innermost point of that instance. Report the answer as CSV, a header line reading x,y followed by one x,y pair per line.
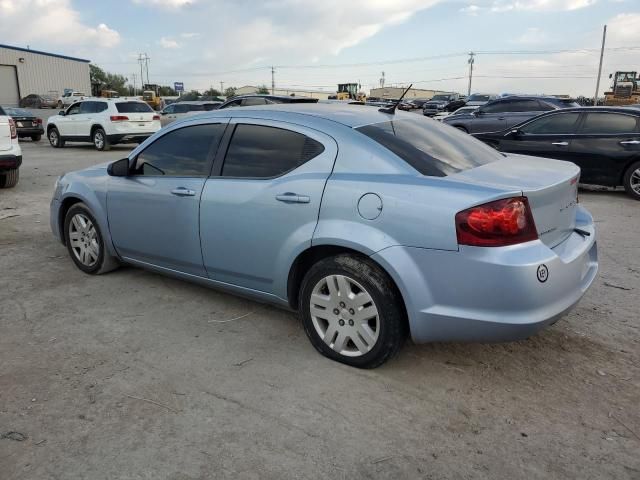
x,y
101,80
190,96
212,92
263,90
230,92
165,91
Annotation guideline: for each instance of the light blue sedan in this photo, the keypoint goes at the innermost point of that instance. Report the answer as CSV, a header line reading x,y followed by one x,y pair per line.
x,y
372,225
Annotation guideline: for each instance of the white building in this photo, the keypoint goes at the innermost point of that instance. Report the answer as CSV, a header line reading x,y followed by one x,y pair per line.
x,y
396,92
24,71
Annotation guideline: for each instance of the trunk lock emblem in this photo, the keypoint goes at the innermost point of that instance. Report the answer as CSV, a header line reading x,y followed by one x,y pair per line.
x,y
543,273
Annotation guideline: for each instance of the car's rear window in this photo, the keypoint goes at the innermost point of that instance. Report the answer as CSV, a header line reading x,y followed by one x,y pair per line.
x,y
133,107
18,112
429,147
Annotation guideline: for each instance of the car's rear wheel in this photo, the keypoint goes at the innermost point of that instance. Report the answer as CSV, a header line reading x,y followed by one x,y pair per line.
x,y
351,311
631,181
54,138
85,242
9,178
100,140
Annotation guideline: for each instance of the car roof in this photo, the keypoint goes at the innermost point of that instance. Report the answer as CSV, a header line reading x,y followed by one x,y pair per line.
x,y
606,109
349,115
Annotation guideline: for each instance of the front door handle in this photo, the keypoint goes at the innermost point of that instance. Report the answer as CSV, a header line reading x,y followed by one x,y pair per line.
x,y
561,144
291,197
183,192
630,142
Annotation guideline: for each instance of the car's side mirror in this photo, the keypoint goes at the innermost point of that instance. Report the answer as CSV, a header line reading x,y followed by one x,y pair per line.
x,y
516,132
61,112
119,168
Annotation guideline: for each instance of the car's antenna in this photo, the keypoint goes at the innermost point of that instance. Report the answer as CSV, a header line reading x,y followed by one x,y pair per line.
x,y
392,108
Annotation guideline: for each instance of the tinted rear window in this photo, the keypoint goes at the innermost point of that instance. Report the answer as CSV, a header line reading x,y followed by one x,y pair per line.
x,y
17,112
432,149
133,107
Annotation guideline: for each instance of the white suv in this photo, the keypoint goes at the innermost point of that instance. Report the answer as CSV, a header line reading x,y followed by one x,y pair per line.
x,y
103,122
10,152
70,97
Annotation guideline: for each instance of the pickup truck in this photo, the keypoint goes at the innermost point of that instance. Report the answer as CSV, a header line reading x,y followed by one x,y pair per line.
x,y
68,98
10,152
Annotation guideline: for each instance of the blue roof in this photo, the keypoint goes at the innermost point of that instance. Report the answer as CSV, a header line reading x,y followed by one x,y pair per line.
x,y
20,49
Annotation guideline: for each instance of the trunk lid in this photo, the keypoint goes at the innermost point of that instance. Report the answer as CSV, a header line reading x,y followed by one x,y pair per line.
x,y
5,133
139,121
550,185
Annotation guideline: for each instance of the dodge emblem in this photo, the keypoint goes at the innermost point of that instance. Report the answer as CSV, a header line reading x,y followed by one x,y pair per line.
x,y
543,273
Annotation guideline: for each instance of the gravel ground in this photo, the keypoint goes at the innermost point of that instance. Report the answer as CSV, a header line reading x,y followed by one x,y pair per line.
x,y
132,375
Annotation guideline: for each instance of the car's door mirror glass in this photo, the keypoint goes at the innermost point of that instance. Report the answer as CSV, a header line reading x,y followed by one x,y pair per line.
x,y
119,168
61,112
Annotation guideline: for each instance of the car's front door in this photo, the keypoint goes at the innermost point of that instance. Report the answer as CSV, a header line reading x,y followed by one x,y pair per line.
x,y
605,144
260,208
83,121
154,212
66,124
489,118
520,110
549,136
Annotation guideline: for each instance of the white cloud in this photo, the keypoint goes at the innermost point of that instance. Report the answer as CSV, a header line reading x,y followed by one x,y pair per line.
x,y
540,5
166,42
624,27
533,36
471,10
189,35
51,22
171,4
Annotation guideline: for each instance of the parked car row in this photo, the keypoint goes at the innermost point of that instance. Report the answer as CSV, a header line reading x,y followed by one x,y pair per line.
x,y
10,151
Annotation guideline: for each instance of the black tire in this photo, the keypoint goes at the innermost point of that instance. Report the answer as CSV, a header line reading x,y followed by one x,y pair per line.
x,y
9,178
631,180
60,105
100,140
104,262
392,324
54,138
36,138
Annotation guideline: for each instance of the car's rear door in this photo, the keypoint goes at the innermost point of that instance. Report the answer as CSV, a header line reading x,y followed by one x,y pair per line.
x,y
520,110
83,121
260,208
490,118
154,212
605,144
549,136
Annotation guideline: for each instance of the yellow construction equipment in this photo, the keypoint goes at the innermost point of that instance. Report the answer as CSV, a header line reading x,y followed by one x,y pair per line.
x,y
349,91
151,96
625,89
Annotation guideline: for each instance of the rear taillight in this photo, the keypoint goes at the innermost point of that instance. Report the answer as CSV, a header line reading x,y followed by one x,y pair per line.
x,y
119,118
12,128
156,117
39,121
496,224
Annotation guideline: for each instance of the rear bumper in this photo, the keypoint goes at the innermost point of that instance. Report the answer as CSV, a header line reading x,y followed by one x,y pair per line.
x,y
491,294
129,138
28,131
9,162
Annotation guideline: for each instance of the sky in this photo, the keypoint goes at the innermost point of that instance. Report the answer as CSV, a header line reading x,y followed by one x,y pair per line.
x,y
522,46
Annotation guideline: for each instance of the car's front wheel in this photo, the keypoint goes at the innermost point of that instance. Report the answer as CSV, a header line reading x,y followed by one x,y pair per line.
x,y
54,138
631,180
100,140
9,178
85,242
351,311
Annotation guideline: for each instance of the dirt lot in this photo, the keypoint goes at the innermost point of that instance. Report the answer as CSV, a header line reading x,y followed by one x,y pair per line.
x,y
132,375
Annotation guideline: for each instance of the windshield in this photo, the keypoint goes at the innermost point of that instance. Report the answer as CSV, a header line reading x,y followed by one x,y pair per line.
x,y
479,98
441,97
17,112
429,147
133,107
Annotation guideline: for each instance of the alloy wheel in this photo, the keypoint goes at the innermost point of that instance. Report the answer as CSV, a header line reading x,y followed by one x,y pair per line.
x,y
98,140
344,315
634,181
53,138
84,240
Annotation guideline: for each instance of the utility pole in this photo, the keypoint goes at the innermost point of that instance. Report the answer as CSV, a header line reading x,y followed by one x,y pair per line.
x,y
140,61
382,81
604,37
470,62
221,88
273,81
133,77
143,60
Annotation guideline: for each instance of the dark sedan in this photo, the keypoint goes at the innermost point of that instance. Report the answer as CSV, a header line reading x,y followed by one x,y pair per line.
x,y
253,100
27,124
38,101
603,141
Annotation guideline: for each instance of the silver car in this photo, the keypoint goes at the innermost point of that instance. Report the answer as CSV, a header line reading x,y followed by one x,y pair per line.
x,y
179,110
371,225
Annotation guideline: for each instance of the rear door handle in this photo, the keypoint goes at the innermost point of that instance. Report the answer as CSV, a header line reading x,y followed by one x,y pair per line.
x,y
561,144
630,142
291,197
183,192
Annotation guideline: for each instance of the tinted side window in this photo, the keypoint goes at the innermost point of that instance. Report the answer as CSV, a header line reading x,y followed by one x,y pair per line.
x,y
497,107
553,124
180,153
247,102
524,106
87,107
544,106
235,103
257,151
74,109
184,108
609,123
